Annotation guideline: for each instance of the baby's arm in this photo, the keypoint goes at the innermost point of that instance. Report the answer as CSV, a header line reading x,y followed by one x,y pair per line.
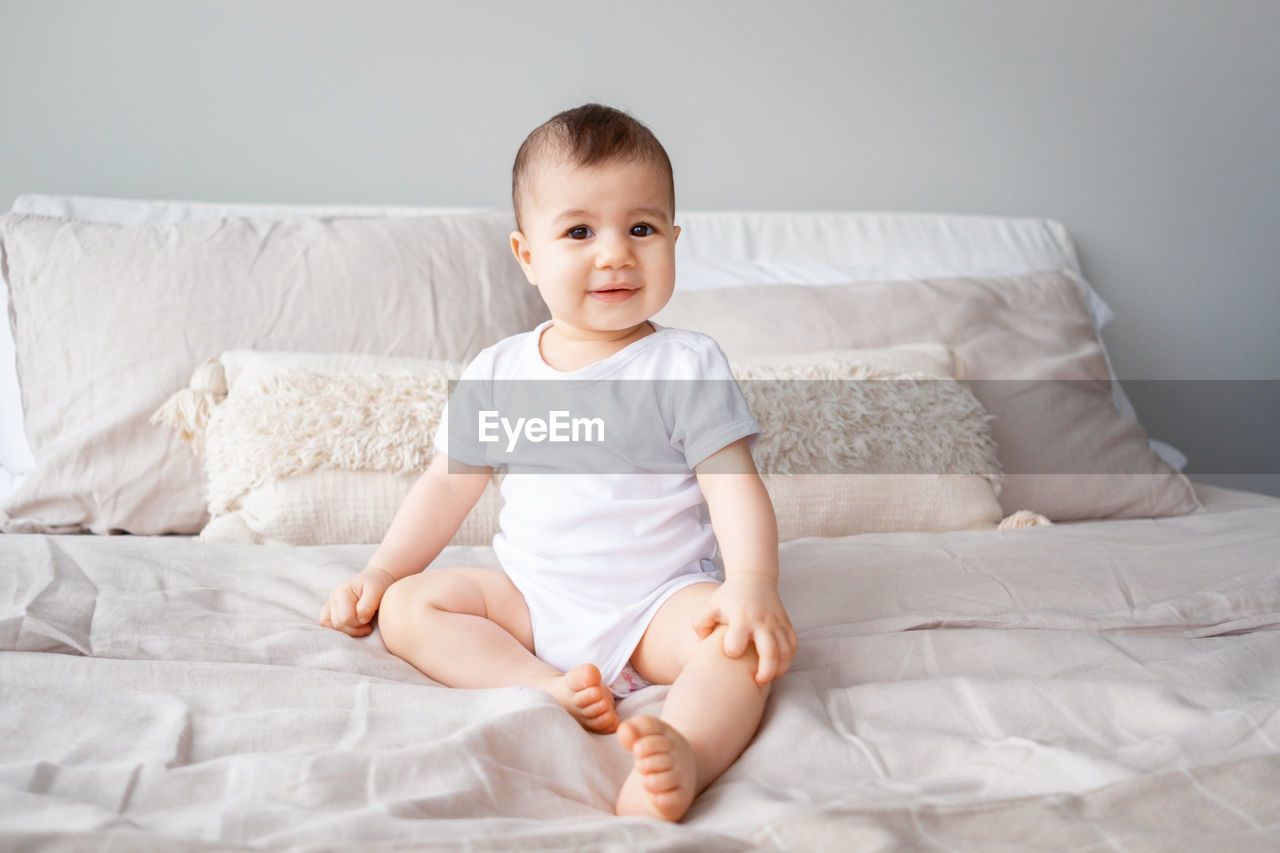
x,y
745,526
427,519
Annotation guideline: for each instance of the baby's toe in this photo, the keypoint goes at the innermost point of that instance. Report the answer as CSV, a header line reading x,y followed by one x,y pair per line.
x,y
592,702
588,696
633,730
582,677
663,783
656,762
651,747
657,783
597,708
603,721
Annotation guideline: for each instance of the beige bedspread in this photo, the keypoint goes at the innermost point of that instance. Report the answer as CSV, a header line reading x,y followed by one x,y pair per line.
x,y
1095,686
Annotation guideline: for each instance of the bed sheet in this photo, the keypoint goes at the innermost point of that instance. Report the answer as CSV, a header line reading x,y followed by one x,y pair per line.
x,y
1097,685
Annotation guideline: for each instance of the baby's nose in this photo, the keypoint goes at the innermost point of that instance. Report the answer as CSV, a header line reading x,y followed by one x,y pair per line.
x,y
613,252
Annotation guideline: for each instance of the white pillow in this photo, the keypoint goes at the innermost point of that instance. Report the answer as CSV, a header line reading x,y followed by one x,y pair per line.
x,y
109,319
838,247
734,249
128,211
16,459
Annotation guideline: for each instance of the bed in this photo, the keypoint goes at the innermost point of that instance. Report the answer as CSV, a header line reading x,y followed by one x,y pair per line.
x,y
970,676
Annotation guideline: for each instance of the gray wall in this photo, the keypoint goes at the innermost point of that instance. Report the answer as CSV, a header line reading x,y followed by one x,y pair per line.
x,y
1151,128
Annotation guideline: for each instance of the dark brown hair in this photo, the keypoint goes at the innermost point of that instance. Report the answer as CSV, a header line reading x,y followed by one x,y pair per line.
x,y
585,136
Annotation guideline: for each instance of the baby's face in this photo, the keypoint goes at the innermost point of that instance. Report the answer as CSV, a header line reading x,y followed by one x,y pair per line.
x,y
598,243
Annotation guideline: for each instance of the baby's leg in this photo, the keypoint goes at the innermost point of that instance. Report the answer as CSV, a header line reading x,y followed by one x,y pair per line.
x,y
471,628
710,714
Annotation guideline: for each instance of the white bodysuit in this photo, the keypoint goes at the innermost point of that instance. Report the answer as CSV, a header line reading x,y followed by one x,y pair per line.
x,y
599,529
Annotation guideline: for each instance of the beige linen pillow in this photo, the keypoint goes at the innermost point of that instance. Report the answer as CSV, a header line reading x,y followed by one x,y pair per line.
x,y
872,441
315,449
311,449
1032,356
109,319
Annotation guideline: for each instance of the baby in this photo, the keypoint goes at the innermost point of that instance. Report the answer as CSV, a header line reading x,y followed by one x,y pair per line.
x,y
607,579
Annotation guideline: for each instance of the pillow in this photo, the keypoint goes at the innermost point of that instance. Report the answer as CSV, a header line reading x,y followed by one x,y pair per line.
x,y
837,247
872,441
309,449
109,319
139,211
15,452
1032,356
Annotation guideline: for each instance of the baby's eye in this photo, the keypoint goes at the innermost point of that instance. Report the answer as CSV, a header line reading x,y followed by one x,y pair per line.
x,y
581,232
642,229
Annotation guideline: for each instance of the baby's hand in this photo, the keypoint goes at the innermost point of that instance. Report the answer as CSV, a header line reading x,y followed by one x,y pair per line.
x,y
353,602
750,606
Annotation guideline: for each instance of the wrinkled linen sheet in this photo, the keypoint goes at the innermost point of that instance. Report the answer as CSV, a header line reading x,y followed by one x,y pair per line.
x,y
1093,686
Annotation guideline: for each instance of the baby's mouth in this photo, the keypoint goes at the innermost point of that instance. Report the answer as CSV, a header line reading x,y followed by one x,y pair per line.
x,y
618,293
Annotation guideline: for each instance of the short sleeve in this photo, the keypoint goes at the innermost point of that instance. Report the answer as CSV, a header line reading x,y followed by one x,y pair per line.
x,y
708,409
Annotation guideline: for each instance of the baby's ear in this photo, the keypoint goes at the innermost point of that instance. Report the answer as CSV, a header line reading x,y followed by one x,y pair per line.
x,y
520,248
675,233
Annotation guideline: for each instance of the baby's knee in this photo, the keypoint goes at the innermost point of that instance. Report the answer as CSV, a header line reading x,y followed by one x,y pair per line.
x,y
714,644
393,611
405,606
394,600
741,670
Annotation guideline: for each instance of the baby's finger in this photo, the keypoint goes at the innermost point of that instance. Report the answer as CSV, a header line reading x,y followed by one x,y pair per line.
x,y
366,607
342,609
324,616
357,630
736,639
705,622
786,653
767,650
786,640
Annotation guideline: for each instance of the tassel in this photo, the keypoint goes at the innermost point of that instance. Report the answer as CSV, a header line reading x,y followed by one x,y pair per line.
x,y
1024,518
189,410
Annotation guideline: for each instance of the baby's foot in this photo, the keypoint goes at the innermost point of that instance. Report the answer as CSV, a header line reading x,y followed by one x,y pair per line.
x,y
665,779
581,692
